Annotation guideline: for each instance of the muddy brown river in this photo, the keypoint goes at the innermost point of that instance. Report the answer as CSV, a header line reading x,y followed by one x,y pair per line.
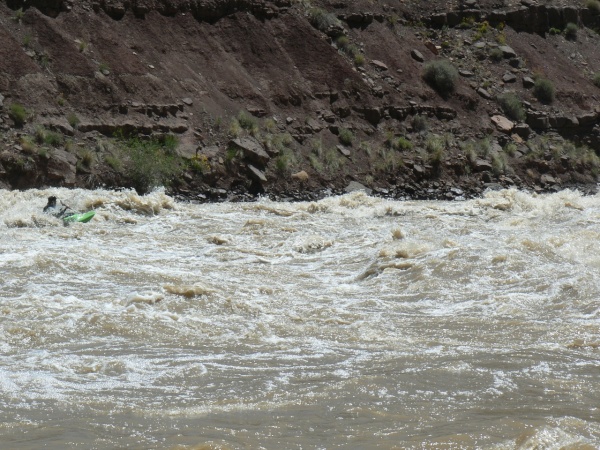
x,y
352,322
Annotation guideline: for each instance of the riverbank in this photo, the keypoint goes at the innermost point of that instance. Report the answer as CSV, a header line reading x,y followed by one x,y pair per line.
x,y
297,101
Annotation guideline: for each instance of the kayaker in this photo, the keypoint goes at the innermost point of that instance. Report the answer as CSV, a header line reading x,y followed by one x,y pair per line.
x,y
55,210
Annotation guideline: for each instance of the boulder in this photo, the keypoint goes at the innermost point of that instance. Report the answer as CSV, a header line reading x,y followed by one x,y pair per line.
x,y
484,93
417,55
354,186
509,78
502,123
547,180
507,52
537,120
379,65
588,120
252,149
481,165
528,82
62,167
523,130
344,151
301,176
257,174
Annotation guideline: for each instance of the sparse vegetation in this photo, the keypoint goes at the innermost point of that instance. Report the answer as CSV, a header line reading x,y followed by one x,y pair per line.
x,y
441,75
27,40
18,15
434,145
73,120
18,114
512,106
28,145
593,5
544,90
200,164
150,163
401,144
419,123
87,157
114,162
234,128
284,161
53,139
499,164
247,121
345,136
571,31
596,79
322,20
496,54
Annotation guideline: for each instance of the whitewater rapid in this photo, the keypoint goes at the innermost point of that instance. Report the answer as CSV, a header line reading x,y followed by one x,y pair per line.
x,y
351,322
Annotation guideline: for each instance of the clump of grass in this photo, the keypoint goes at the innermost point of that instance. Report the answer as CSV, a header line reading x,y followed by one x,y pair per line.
x,y
28,145
571,31
441,75
270,125
512,106
18,114
388,161
359,59
27,40
322,20
346,137
53,139
234,128
315,162
510,149
87,157
501,38
593,6
596,79
73,120
469,151
543,89
332,160
231,155
200,164
18,15
246,120
434,145
284,161
83,45
419,123
484,146
401,144
114,162
496,54
151,163
499,164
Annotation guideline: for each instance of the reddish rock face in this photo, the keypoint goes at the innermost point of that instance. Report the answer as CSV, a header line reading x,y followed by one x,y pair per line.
x,y
95,69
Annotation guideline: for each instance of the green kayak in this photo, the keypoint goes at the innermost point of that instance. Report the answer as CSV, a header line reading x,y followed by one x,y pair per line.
x,y
84,217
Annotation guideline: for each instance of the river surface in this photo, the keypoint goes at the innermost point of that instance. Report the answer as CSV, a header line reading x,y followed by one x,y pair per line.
x,y
352,322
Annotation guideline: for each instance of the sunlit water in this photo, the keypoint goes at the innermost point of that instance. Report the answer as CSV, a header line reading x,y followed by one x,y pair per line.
x,y
352,322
